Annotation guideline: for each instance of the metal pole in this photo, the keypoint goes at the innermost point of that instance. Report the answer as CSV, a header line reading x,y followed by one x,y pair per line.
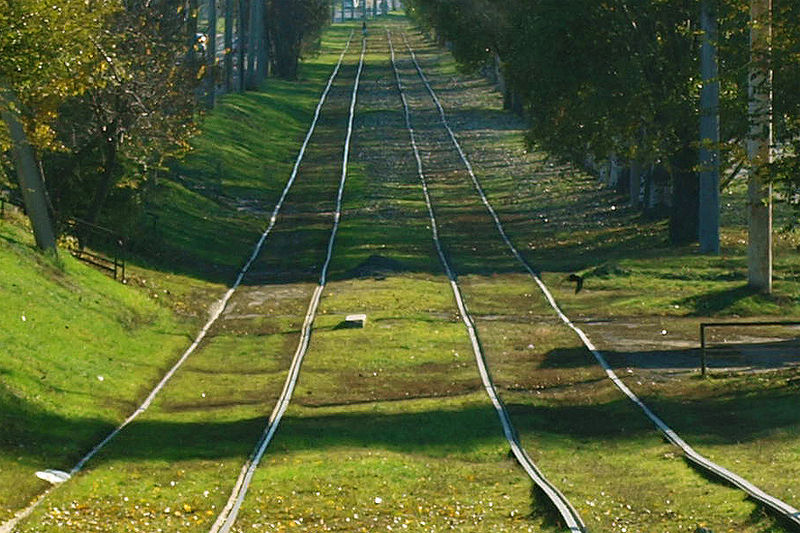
x,y
702,349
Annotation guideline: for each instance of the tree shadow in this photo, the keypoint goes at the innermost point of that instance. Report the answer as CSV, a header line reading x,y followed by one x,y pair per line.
x,y
715,302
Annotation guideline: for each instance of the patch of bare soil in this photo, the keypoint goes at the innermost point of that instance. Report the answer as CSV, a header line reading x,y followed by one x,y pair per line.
x,y
671,346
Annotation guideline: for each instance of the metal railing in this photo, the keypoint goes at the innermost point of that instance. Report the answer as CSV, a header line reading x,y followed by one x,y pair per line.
x,y
704,325
108,247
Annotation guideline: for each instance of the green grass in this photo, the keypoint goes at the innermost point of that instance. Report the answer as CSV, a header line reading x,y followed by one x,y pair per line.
x,y
390,428
215,204
79,350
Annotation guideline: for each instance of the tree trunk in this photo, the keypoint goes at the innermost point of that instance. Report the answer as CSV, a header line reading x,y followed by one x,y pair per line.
x,y
29,174
635,185
759,151
709,132
106,178
262,56
252,44
211,54
229,45
192,20
683,221
242,40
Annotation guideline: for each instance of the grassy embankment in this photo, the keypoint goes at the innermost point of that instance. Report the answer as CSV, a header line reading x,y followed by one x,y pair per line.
x,y
80,350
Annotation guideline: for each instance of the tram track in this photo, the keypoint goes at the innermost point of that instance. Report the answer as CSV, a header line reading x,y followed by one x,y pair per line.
x,y
781,508
217,309
227,517
568,513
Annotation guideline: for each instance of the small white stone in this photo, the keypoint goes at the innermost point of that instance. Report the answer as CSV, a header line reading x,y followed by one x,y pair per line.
x,y
100,378
378,500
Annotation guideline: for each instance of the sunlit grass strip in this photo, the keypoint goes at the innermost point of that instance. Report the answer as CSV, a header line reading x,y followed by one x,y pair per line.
x,y
217,309
571,517
783,508
227,516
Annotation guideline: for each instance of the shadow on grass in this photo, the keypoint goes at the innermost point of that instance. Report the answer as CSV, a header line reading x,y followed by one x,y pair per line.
x,y
726,418
744,356
714,302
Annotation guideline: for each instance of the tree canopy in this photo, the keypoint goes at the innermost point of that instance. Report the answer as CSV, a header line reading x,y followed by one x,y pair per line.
x,y
621,78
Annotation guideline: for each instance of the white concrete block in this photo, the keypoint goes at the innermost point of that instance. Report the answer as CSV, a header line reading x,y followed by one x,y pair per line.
x,y
355,321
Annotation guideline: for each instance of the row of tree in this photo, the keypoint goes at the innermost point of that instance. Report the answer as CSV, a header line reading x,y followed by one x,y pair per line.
x,y
665,93
98,96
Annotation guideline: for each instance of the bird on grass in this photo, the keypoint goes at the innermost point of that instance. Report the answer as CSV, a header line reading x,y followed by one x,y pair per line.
x,y
578,282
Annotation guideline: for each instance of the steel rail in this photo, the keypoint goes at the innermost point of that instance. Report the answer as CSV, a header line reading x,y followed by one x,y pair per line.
x,y
217,309
571,517
227,516
788,512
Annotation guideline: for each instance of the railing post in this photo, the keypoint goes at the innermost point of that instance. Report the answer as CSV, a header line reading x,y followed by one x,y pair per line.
x,y
702,349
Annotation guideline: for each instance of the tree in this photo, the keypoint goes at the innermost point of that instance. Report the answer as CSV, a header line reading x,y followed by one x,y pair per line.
x,y
294,27
138,113
620,77
709,131
759,148
47,54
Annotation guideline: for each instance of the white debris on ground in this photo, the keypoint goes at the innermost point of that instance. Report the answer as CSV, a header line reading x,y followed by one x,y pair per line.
x,y
53,476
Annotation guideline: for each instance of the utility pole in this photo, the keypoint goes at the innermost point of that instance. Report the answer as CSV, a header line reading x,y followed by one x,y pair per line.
x,y
759,148
211,51
709,131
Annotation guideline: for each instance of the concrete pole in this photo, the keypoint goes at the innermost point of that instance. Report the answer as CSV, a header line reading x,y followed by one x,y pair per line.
x,y
709,131
759,148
